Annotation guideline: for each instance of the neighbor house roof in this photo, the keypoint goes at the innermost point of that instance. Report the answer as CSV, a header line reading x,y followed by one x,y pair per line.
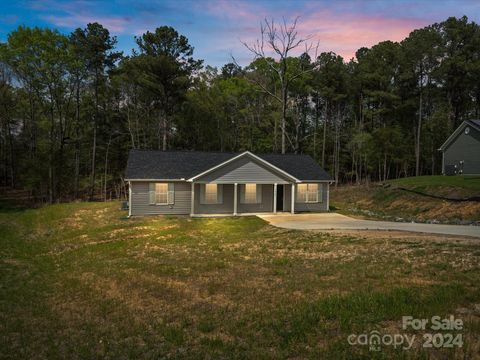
x,y
473,123
183,165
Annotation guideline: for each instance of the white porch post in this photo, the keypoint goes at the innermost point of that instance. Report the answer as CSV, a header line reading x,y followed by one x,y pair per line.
x,y
192,200
235,191
129,198
328,196
293,199
275,198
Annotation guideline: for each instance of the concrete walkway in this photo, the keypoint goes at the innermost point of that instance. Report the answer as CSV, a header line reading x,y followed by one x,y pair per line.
x,y
334,221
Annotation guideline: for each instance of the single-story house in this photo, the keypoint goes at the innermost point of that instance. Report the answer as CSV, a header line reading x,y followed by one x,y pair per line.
x,y
461,151
200,183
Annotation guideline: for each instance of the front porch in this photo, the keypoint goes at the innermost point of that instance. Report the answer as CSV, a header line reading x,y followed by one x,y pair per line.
x,y
211,199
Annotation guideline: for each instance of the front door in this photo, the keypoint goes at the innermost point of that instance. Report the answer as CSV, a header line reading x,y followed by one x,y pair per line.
x,y
280,197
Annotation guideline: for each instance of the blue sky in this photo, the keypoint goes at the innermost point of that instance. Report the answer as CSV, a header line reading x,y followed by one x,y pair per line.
x,y
216,28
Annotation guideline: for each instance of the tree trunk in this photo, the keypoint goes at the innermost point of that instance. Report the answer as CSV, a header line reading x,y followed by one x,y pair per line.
x,y
315,155
106,167
418,137
77,142
284,116
94,146
324,134
94,155
165,130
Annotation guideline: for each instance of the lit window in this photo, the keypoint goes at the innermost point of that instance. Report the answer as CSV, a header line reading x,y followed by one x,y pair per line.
x,y
250,193
211,194
307,193
161,193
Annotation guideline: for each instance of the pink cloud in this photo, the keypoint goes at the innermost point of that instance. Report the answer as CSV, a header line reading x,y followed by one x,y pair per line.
x,y
346,34
114,24
343,34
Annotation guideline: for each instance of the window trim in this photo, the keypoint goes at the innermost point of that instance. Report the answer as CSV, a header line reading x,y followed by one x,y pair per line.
x,y
170,193
307,200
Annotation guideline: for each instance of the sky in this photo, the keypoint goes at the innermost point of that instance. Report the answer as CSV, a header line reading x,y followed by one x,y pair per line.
x,y
217,28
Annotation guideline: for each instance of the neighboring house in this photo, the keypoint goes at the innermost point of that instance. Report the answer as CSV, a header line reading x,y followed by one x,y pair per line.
x,y
461,151
199,183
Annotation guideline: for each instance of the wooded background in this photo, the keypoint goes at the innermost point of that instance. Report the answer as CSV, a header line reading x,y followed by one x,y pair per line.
x,y
71,106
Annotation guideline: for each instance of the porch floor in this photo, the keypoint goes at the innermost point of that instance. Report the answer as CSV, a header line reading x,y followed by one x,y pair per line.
x,y
239,214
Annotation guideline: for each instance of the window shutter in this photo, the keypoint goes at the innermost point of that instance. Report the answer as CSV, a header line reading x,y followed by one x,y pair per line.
x,y
320,192
202,193
259,193
242,193
171,194
219,194
151,193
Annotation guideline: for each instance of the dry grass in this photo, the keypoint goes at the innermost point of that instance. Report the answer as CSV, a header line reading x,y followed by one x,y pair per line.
x,y
80,281
391,203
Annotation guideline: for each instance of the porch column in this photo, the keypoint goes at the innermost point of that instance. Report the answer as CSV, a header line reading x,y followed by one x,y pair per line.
x,y
275,198
129,198
293,199
235,191
192,200
327,185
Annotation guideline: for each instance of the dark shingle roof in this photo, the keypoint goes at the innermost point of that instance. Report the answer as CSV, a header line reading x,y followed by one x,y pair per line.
x,y
153,164
475,123
303,167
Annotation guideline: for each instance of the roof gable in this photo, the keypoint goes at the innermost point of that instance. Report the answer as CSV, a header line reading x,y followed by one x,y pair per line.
x,y
245,168
475,124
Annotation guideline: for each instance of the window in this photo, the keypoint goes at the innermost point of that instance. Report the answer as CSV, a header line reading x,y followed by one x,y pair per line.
x,y
307,193
161,193
250,193
211,194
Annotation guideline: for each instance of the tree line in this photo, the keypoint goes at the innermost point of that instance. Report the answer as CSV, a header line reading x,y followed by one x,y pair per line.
x,y
71,106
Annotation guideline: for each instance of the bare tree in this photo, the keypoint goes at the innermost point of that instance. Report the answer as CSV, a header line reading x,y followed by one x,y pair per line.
x,y
275,45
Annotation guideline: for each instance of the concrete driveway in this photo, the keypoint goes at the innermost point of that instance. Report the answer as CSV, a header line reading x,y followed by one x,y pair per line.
x,y
334,221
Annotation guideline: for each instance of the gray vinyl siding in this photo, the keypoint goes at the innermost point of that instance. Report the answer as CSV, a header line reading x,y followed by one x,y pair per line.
x,y
265,206
224,208
306,207
464,147
244,170
227,206
140,200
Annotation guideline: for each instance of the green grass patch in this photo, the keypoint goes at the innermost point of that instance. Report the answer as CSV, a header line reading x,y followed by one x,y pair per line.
x,y
425,182
79,280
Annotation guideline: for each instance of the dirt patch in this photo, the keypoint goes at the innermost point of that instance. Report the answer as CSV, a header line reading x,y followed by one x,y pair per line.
x,y
391,203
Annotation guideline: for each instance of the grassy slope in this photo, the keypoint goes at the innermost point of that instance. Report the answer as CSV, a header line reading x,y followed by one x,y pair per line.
x,y
450,186
393,203
81,281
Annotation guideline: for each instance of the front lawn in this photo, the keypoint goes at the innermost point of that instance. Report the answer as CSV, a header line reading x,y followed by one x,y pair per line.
x,y
82,281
